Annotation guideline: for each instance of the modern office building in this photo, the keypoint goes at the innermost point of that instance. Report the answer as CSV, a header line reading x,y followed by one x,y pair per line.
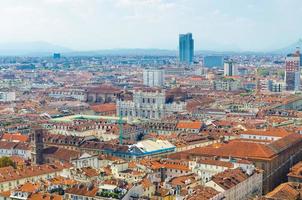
x,y
56,56
275,86
186,48
154,77
292,71
213,61
230,69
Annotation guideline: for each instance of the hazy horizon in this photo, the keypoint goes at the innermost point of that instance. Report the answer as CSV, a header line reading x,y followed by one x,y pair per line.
x,y
83,25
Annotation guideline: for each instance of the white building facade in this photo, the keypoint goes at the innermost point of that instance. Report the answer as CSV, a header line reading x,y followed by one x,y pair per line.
x,y
154,77
7,96
230,69
148,105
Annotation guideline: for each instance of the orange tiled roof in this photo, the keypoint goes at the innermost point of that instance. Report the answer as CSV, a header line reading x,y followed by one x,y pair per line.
x,y
183,180
285,142
275,132
14,137
229,178
59,180
90,172
202,193
132,164
171,166
236,148
45,196
18,160
5,193
288,190
29,187
146,183
83,190
189,125
9,173
107,107
296,170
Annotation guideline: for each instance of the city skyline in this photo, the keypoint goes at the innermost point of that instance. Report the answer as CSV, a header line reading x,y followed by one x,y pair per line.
x,y
84,25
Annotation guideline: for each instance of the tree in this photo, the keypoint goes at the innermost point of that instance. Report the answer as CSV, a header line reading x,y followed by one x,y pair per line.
x,y
6,161
263,72
281,73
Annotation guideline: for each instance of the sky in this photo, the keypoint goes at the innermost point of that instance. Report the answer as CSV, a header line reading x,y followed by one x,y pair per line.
x,y
110,24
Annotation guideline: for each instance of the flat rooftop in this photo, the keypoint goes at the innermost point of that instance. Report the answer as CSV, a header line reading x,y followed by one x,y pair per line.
x,y
70,118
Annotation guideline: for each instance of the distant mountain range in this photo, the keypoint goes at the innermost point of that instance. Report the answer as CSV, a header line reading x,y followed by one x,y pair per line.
x,y
30,48
139,52
47,49
289,49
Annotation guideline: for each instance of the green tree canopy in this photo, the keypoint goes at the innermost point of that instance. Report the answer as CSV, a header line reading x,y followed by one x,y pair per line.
x,y
6,161
281,73
263,71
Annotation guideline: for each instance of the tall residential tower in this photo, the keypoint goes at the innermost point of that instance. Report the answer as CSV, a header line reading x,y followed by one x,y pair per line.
x,y
292,71
186,48
154,77
230,69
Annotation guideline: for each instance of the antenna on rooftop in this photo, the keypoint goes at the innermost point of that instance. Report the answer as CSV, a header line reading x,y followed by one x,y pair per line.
x,y
120,123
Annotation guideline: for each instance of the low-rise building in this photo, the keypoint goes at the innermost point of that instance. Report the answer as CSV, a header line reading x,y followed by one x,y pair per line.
x,y
289,190
295,174
189,126
10,178
235,184
78,94
227,84
7,96
15,149
267,134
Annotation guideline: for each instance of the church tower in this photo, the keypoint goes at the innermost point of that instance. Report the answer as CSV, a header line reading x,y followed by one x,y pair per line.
x,y
37,146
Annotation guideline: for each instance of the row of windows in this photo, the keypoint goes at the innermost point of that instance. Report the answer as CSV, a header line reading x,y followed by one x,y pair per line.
x,y
148,100
136,114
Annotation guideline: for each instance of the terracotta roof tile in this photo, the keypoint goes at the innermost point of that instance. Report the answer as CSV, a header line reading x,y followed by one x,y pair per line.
x,y
108,107
189,125
229,178
290,191
236,148
17,137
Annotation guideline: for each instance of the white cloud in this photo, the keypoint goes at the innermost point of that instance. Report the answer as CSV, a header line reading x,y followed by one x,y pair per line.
x,y
96,24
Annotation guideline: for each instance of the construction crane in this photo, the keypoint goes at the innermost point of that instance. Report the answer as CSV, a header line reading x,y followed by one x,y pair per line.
x,y
120,123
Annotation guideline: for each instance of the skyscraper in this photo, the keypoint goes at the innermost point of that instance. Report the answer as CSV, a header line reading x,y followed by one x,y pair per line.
x,y
230,69
186,48
56,56
153,77
292,71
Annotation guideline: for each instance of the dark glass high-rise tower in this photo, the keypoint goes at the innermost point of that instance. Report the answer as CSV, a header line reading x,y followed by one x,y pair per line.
x,y
292,71
186,48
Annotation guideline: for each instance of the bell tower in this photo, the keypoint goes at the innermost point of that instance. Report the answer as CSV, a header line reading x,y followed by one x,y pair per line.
x,y
37,146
